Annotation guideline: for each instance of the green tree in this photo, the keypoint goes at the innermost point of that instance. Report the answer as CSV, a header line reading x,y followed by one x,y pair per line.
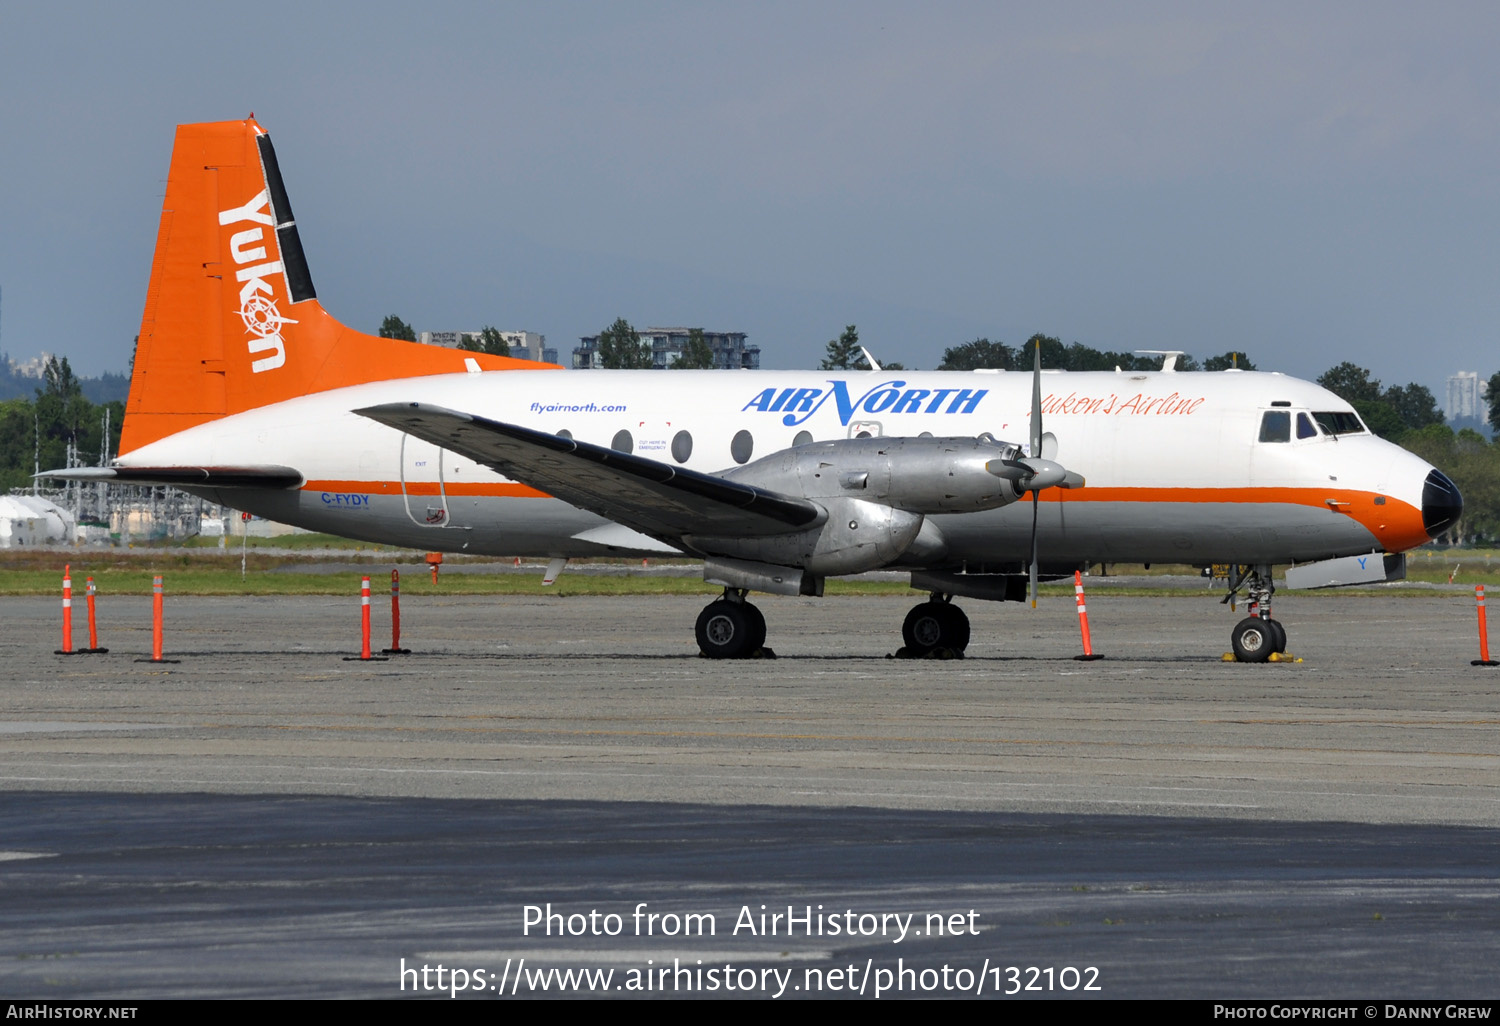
x,y
1228,361
61,410
17,443
395,327
1380,417
1492,395
1055,355
489,340
697,354
1079,357
843,352
1473,464
980,353
1351,382
1414,404
620,347
1391,413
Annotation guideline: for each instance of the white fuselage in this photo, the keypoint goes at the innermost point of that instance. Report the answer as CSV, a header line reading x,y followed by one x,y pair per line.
x,y
1174,465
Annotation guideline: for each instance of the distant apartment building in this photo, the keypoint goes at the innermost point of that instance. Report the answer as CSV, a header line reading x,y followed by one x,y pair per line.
x,y
667,345
1464,394
36,367
524,345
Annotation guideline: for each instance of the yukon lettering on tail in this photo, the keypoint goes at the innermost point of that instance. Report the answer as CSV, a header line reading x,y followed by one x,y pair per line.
x,y
257,298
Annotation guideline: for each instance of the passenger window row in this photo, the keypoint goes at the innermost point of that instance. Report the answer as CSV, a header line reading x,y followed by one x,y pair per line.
x,y
741,446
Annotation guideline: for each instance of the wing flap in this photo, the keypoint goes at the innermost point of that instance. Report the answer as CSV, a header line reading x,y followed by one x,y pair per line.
x,y
647,496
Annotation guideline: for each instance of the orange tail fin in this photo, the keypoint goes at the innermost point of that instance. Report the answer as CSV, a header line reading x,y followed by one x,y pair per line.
x,y
232,322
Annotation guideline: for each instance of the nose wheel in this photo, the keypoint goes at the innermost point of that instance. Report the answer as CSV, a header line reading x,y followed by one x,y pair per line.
x,y
731,628
1257,638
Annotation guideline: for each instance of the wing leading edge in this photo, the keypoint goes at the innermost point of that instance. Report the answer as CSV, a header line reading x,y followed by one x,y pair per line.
x,y
650,497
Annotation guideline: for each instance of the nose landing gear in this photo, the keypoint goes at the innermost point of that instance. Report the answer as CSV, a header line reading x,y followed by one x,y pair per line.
x,y
1257,638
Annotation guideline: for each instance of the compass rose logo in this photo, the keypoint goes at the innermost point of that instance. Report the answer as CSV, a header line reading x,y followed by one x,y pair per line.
x,y
261,316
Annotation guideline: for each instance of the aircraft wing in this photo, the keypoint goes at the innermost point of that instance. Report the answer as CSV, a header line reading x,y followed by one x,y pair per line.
x,y
651,497
185,477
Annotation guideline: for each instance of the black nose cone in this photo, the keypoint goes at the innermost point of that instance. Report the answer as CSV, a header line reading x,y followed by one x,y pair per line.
x,y
1441,504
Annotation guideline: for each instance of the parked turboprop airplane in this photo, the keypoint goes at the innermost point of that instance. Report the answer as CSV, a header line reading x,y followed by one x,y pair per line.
x,y
246,392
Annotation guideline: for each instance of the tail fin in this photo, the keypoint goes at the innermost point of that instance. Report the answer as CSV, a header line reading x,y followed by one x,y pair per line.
x,y
232,321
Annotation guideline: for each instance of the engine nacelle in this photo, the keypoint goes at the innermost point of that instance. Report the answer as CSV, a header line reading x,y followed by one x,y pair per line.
x,y
918,475
858,535
876,493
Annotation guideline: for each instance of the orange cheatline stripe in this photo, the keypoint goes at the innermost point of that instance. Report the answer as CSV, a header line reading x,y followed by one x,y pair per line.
x,y
1398,525
505,490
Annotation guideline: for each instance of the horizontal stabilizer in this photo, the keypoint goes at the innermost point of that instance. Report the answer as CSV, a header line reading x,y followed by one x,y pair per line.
x,y
185,477
647,496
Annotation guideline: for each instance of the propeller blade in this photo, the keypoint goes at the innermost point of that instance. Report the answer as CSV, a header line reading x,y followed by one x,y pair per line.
x,y
1009,470
1033,548
1044,474
1036,399
1036,452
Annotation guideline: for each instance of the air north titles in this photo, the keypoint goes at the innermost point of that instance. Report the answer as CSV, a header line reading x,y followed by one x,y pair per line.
x,y
798,404
893,396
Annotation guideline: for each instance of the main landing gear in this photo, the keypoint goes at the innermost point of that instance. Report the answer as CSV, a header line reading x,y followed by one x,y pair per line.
x,y
935,628
1257,638
731,628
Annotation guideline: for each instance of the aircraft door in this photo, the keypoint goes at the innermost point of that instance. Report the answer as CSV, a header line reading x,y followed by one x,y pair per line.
x,y
423,488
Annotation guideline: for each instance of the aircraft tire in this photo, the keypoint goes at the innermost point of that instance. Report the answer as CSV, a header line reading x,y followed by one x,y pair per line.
x,y
956,628
1253,641
922,630
726,631
757,627
935,625
1279,630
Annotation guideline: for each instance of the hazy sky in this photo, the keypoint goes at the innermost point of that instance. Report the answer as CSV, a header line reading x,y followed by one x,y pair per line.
x,y
1310,183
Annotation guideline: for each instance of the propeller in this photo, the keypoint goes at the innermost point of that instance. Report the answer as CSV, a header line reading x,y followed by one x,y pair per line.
x,y
1036,452
1033,473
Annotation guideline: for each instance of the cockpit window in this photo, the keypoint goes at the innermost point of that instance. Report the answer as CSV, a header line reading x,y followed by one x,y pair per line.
x,y
1340,423
1305,427
1276,426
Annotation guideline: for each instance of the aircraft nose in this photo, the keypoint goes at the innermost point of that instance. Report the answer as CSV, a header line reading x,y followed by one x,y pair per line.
x,y
1442,504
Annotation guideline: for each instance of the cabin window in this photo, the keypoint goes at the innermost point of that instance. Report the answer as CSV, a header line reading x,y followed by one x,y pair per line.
x,y
623,442
1276,426
741,447
682,446
1305,427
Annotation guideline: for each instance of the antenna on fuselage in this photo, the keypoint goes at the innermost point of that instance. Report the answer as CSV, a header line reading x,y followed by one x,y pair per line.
x,y
1168,357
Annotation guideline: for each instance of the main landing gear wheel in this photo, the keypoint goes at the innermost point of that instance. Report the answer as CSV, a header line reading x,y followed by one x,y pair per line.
x,y
1280,632
730,630
1255,639
935,625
